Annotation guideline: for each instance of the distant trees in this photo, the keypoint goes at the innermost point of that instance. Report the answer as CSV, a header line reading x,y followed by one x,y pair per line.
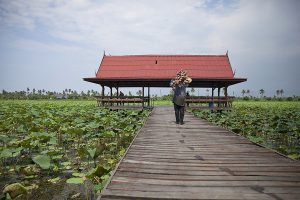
x,y
262,92
279,92
248,92
43,94
193,91
243,92
207,90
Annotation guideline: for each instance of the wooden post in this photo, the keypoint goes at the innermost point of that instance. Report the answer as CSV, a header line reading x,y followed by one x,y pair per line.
x,y
212,96
117,88
110,95
143,94
226,97
219,97
102,95
148,96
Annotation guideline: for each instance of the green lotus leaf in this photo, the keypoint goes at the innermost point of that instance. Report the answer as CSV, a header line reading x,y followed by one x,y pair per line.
x,y
75,180
42,160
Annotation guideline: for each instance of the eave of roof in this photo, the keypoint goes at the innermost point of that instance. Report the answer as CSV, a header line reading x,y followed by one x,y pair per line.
x,y
201,83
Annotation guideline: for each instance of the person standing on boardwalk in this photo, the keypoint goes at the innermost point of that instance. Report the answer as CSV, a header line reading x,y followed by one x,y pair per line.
x,y
179,85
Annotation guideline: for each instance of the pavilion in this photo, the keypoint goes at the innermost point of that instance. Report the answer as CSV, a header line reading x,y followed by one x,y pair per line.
x,y
146,71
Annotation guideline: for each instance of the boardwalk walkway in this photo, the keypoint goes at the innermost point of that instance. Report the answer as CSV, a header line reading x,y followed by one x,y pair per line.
x,y
198,160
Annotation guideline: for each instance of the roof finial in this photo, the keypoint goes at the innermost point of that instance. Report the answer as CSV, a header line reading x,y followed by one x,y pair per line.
x,y
227,53
104,53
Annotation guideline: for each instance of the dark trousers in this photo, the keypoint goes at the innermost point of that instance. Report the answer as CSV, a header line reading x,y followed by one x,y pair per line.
x,y
179,113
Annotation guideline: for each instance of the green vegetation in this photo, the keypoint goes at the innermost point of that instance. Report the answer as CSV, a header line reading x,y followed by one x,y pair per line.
x,y
273,124
163,103
43,94
48,146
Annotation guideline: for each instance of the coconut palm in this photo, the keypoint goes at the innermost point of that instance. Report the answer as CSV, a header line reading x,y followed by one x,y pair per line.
x,y
281,92
243,92
262,92
248,92
193,91
277,93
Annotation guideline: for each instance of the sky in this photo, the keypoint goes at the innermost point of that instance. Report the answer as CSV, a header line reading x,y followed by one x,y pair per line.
x,y
53,44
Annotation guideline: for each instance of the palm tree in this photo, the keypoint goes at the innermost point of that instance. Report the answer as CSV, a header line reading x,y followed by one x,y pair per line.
x,y
277,93
243,92
139,93
192,90
262,92
207,90
223,90
248,92
93,92
281,92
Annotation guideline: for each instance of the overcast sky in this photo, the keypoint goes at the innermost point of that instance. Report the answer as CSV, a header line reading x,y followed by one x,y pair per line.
x,y
53,44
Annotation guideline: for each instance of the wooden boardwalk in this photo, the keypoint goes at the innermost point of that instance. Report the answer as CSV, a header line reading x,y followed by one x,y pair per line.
x,y
199,160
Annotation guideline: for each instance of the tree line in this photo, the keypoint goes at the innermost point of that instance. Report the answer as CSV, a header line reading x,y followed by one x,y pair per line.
x,y
43,94
33,94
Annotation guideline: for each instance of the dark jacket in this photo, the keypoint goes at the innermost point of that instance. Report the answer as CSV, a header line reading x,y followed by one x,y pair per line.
x,y
180,94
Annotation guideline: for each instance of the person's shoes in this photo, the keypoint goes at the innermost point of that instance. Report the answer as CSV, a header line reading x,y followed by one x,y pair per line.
x,y
177,122
181,123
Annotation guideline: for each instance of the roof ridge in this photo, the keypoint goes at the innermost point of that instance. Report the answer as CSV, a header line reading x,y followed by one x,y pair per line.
x,y
165,55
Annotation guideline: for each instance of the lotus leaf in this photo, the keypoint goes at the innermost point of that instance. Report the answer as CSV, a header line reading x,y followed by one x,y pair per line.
x,y
42,160
75,180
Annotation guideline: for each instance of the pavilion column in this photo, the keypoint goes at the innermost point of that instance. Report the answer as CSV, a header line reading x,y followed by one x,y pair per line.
x,y
212,96
148,96
117,94
102,91
102,95
226,96
143,94
219,97
110,95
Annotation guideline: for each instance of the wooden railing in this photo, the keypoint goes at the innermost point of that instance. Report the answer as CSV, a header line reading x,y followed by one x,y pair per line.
x,y
122,100
208,101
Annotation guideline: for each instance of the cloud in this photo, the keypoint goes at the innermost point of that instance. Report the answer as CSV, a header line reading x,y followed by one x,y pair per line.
x,y
113,23
260,35
40,46
187,26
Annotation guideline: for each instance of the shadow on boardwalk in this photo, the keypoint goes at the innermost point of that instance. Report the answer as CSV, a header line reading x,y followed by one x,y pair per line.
x,y
199,160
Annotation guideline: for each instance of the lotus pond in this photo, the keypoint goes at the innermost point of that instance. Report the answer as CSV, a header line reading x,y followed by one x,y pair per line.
x,y
61,149
275,125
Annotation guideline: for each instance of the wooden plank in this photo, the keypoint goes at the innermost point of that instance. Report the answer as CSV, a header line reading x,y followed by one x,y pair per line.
x,y
157,188
183,195
202,183
278,164
214,168
208,176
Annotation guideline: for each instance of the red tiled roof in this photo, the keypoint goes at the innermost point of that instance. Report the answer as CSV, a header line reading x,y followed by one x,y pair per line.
x,y
164,66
